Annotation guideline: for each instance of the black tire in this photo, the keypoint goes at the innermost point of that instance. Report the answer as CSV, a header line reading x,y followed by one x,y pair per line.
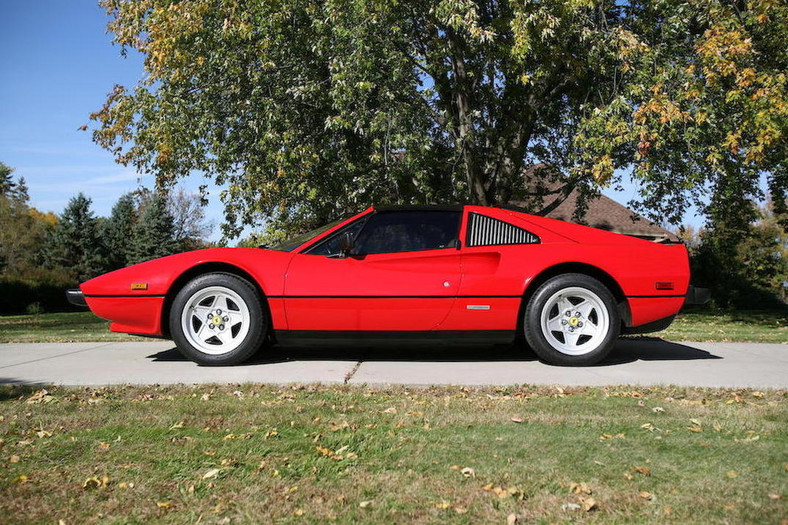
x,y
240,328
570,344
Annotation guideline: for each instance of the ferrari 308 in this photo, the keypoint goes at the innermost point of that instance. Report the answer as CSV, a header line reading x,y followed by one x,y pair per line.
x,y
456,274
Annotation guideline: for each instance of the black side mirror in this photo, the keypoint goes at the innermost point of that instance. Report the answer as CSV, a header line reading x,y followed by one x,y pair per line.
x,y
346,244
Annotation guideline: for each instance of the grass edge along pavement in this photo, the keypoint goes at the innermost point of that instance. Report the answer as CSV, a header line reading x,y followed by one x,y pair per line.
x,y
255,453
766,326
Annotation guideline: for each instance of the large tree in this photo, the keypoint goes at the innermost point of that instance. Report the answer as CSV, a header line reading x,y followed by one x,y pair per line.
x,y
118,231
75,243
153,232
305,109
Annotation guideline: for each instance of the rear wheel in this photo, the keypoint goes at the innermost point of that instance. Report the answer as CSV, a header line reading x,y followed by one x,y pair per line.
x,y
572,320
218,319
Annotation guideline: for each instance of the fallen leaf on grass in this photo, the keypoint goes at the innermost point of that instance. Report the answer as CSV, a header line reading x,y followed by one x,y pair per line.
x,y
365,504
570,506
511,519
44,434
21,479
390,410
443,504
580,488
732,474
41,396
657,410
468,472
298,512
324,451
516,419
460,510
774,495
15,459
103,445
164,504
211,473
95,483
643,470
695,429
589,504
177,425
645,495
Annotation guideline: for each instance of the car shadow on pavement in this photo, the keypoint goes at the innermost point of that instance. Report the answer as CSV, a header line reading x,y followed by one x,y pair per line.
x,y
627,350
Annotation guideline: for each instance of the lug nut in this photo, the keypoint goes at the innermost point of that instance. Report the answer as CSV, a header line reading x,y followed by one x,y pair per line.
x,y
218,312
577,314
571,329
563,321
226,318
221,327
210,326
568,313
580,324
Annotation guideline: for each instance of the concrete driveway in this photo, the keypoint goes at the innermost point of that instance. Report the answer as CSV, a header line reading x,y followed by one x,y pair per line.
x,y
633,361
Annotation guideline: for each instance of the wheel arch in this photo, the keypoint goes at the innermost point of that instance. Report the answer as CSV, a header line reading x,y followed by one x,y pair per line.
x,y
581,268
196,271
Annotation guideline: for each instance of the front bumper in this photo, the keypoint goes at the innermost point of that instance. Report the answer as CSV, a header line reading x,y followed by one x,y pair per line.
x,y
697,295
77,298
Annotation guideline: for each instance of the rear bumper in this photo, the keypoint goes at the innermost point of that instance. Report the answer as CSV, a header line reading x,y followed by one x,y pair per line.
x,y
697,295
77,298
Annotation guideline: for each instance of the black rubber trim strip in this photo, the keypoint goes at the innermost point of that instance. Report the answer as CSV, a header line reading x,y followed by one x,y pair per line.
x,y
654,296
288,337
125,295
394,296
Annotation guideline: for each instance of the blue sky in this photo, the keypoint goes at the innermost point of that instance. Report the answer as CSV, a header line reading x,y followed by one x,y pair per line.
x,y
57,65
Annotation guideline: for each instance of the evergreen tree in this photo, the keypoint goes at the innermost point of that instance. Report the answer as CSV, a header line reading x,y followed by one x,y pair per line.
x,y
153,233
75,244
118,231
7,183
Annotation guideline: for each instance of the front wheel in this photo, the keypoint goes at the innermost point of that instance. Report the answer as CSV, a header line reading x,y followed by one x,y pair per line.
x,y
218,319
572,320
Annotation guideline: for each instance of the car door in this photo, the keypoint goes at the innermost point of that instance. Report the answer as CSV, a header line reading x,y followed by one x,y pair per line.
x,y
403,274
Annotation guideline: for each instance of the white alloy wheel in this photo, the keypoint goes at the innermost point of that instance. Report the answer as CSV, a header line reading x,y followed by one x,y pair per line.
x,y
574,321
215,320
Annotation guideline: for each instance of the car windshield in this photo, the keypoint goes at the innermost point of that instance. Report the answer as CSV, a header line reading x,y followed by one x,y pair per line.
x,y
294,242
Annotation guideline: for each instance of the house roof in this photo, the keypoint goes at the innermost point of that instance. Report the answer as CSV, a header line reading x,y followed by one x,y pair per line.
x,y
606,214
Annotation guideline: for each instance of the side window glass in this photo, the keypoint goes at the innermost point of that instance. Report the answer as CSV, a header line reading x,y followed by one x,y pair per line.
x,y
408,231
330,246
486,231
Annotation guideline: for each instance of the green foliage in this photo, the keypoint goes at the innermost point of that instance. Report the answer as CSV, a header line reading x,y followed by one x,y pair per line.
x,y
153,233
305,109
744,266
75,243
118,230
24,228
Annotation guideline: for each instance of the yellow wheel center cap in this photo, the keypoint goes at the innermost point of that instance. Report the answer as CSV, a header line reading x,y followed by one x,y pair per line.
x,y
573,321
217,320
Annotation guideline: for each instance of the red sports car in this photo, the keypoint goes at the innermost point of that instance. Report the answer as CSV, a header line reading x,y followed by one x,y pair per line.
x,y
454,273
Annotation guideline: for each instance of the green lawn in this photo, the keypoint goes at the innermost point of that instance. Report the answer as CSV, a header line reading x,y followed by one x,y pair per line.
x,y
57,328
762,326
694,325
258,454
